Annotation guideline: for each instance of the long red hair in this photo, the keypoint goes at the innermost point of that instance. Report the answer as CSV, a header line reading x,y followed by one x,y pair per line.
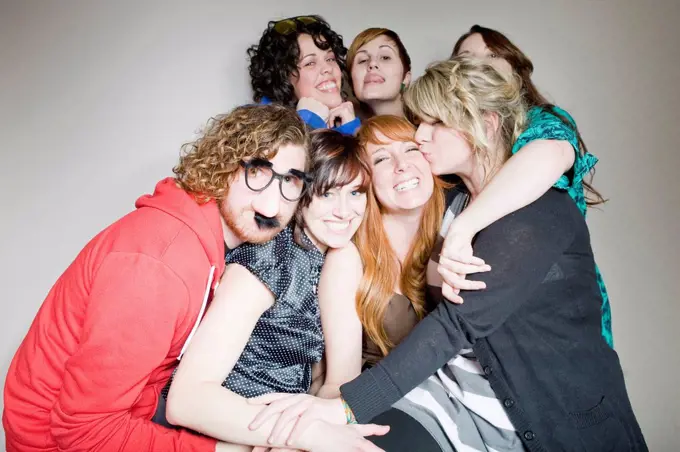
x,y
382,269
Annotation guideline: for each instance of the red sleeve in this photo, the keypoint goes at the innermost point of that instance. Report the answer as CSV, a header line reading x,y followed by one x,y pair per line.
x,y
134,305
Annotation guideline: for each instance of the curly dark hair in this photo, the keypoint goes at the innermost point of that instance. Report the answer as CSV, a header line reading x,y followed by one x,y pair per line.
x,y
275,58
207,165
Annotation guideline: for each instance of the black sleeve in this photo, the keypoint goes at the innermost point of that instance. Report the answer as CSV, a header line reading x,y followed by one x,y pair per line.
x,y
520,248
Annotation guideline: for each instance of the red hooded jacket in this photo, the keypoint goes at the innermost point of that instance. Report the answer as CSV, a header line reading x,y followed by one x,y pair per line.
x,y
88,374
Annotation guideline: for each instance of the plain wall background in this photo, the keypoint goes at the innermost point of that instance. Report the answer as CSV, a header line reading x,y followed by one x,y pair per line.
x,y
97,97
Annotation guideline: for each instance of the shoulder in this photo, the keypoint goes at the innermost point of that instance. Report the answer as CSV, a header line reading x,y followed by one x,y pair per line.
x,y
547,123
267,261
343,257
341,274
552,215
549,115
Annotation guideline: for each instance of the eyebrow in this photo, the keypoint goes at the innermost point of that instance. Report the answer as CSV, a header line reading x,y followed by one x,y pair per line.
x,y
308,55
388,46
378,150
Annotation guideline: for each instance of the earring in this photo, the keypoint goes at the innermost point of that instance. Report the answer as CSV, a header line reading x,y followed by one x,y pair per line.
x,y
403,85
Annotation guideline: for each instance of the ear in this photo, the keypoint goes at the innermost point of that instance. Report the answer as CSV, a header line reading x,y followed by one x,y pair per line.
x,y
407,78
492,124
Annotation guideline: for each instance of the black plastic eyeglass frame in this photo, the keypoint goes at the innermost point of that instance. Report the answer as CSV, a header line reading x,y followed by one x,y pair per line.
x,y
261,163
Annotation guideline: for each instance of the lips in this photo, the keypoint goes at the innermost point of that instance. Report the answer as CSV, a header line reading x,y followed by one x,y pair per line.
x,y
373,78
327,86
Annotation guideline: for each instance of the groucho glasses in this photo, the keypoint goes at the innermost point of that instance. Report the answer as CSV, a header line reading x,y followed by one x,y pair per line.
x,y
260,174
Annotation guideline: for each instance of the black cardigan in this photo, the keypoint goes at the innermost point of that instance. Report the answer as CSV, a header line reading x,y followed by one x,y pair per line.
x,y
535,330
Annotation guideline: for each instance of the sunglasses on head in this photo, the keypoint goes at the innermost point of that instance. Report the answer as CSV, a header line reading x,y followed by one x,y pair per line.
x,y
288,26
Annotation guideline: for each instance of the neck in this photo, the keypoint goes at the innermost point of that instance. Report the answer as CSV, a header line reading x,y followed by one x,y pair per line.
x,y
230,238
387,107
476,176
401,228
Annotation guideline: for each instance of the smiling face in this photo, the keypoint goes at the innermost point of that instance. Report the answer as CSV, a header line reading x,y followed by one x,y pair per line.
x,y
377,71
319,75
402,179
332,218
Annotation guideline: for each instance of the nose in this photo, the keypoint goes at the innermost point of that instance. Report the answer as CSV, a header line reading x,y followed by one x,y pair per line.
x,y
326,67
424,133
268,201
341,209
373,63
400,163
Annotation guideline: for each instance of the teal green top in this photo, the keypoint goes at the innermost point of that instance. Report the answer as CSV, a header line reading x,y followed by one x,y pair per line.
x,y
544,125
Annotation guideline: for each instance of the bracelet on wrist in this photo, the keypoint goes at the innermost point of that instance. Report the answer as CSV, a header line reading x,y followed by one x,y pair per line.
x,y
349,415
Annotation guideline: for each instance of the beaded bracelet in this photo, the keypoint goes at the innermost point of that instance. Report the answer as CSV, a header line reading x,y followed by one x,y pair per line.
x,y
348,412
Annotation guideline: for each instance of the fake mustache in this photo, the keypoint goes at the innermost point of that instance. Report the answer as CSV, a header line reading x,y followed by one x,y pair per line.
x,y
266,222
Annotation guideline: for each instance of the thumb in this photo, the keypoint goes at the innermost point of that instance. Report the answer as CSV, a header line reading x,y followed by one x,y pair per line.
x,y
371,429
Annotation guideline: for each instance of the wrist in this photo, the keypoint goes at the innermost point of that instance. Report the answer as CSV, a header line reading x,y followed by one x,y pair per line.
x,y
465,226
349,414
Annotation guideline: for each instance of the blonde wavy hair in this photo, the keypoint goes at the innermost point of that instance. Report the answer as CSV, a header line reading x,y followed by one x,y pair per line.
x,y
207,166
460,92
382,270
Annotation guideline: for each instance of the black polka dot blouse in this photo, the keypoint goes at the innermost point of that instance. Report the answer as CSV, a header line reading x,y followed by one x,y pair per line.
x,y
287,338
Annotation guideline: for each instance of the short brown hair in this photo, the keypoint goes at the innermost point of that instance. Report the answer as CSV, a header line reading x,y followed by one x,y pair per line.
x,y
207,165
335,160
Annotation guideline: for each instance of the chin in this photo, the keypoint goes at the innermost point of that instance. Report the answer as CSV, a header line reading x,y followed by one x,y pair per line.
x,y
333,102
254,234
336,243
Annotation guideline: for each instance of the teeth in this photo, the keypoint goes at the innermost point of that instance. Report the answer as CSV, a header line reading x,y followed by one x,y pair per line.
x,y
337,226
327,86
407,185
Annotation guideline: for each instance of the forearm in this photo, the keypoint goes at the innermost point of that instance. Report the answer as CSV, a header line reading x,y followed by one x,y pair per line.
x,y
432,343
87,432
215,411
329,391
523,179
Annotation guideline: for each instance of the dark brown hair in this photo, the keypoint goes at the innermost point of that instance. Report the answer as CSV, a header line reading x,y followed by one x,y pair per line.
x,y
335,160
502,47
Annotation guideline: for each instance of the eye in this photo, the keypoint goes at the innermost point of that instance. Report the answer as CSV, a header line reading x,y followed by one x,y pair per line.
x,y
493,55
362,61
386,58
331,59
253,171
357,192
309,64
378,160
413,148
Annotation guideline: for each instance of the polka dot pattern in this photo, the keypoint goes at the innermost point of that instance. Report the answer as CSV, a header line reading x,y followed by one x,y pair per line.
x,y
287,338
